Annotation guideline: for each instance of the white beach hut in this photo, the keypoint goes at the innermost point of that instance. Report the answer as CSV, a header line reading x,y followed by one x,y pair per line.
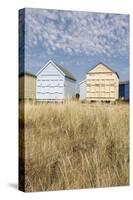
x,y
54,82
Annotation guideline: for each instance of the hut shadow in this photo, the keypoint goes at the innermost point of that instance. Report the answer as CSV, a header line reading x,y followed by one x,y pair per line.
x,y
13,185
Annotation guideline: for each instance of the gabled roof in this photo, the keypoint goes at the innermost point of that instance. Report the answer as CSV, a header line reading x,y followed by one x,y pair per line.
x,y
105,66
82,81
65,72
27,73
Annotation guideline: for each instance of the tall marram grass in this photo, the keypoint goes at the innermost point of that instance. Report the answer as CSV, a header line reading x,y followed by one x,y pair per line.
x,y
72,145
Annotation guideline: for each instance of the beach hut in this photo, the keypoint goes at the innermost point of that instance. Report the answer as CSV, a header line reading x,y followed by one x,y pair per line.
x,y
54,82
102,84
82,89
27,85
124,90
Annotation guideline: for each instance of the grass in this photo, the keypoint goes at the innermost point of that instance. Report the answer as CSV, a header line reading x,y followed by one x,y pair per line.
x,y
72,145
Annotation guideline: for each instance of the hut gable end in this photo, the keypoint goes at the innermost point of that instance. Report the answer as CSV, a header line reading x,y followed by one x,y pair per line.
x,y
54,83
102,84
100,68
50,68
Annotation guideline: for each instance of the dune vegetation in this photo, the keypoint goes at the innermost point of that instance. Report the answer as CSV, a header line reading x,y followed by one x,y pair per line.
x,y
73,145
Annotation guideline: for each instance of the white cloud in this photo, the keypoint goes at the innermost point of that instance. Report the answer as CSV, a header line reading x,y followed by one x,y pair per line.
x,y
79,32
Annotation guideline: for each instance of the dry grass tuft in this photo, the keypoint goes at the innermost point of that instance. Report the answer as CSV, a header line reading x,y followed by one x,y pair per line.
x,y
72,145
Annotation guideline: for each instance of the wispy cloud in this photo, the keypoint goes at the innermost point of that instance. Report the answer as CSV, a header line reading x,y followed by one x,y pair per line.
x,y
78,32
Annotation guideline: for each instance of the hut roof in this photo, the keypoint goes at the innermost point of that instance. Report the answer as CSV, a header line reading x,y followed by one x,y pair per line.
x,y
66,72
27,73
105,66
61,68
124,82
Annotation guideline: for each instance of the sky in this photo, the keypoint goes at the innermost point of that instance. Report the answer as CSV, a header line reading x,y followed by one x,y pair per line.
x,y
77,40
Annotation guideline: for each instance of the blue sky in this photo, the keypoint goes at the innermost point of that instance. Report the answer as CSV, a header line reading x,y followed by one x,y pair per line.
x,y
77,40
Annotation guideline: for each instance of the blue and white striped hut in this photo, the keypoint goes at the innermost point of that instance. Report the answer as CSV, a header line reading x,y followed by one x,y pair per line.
x,y
54,82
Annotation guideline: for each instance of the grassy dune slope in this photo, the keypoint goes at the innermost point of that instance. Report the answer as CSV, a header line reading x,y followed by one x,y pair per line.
x,y
72,145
